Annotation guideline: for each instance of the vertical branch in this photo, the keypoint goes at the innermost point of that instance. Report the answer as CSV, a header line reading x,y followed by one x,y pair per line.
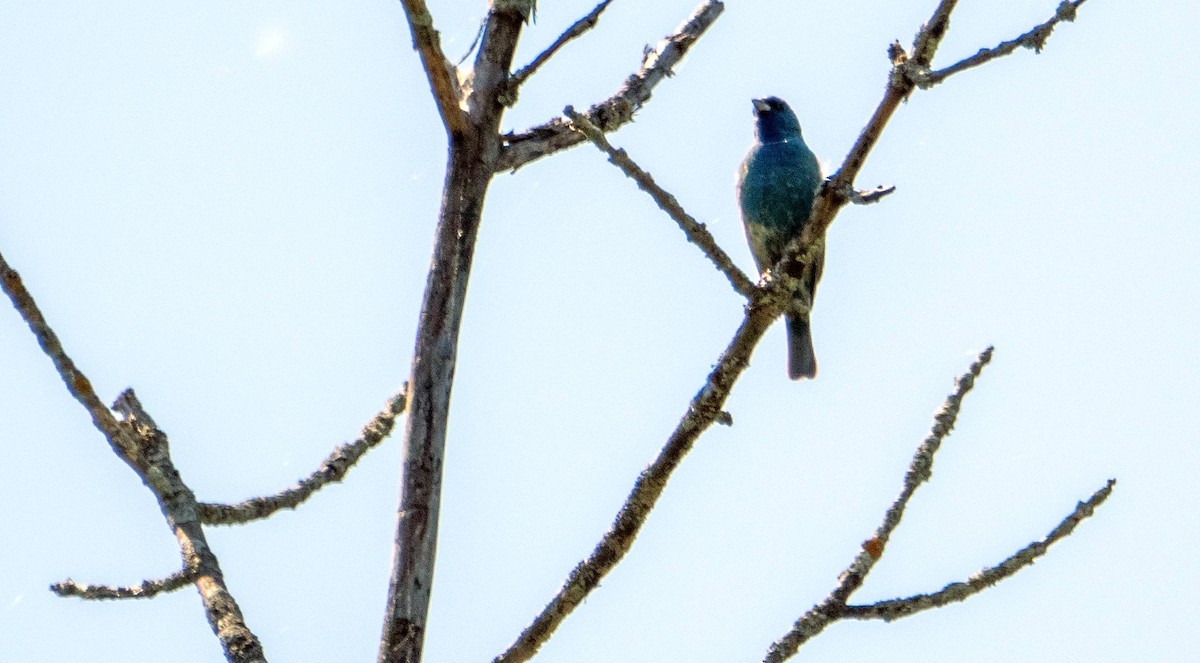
x,y
469,170
430,383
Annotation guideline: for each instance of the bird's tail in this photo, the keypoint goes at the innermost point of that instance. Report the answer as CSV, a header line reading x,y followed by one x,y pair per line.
x,y
802,360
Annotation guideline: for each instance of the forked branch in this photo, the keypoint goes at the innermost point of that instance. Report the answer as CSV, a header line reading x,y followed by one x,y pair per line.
x,y
961,591
143,447
834,607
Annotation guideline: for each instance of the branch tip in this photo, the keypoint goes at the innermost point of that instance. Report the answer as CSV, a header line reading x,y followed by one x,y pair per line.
x,y
577,29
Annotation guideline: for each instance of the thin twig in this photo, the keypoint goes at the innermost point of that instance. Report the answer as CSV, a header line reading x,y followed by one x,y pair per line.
x,y
696,232
442,79
830,609
77,383
657,64
921,468
1035,39
146,590
961,591
332,470
577,29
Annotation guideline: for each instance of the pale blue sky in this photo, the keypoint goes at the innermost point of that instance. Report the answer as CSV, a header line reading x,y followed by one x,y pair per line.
x,y
229,206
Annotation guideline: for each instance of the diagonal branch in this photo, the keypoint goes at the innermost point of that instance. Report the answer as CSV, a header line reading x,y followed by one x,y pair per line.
x,y
657,64
77,383
442,79
702,412
834,607
961,591
830,609
1035,39
930,36
574,32
921,468
696,232
332,470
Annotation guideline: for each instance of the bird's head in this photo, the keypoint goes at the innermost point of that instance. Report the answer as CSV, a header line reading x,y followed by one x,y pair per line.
x,y
775,120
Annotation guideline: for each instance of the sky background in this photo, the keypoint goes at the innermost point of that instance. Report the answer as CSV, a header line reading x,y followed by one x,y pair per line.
x,y
230,205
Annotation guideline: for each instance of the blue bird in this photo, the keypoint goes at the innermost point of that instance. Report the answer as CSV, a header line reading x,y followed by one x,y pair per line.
x,y
776,186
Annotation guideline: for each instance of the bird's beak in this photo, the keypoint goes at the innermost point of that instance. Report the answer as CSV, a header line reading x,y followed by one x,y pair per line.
x,y
761,105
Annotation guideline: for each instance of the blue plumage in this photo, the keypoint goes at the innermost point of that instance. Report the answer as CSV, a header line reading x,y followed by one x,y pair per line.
x,y
776,186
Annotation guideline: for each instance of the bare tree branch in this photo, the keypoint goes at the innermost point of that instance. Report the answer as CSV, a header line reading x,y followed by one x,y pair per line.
x,y
332,470
442,79
577,29
702,412
143,447
657,64
1035,39
900,85
921,468
961,591
830,610
930,36
77,383
696,232
146,590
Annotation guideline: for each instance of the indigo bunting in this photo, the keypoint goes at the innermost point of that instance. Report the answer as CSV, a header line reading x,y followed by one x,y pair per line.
x,y
776,186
